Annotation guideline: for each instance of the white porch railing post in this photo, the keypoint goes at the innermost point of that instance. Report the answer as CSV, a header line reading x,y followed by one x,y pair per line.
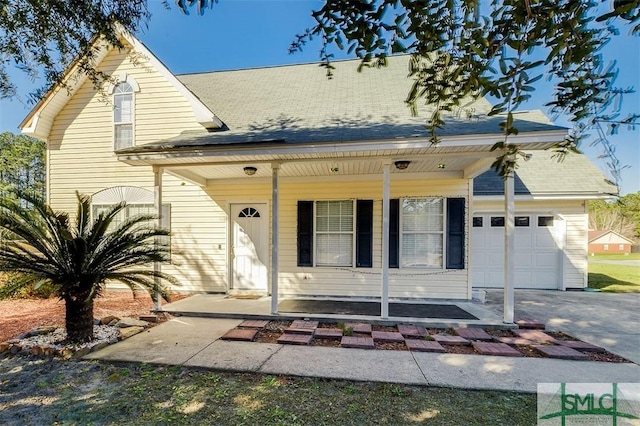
x,y
386,184
157,200
509,239
275,167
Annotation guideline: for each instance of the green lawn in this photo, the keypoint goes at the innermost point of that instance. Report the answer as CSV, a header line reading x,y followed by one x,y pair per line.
x,y
614,278
76,392
630,256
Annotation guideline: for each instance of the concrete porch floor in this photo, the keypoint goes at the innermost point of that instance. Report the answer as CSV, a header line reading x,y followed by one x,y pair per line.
x,y
223,306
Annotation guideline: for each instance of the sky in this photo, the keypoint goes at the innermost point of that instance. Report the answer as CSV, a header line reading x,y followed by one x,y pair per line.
x,y
239,34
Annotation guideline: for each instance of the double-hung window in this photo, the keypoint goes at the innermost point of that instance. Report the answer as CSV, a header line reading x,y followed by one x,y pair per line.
x,y
422,237
123,108
334,233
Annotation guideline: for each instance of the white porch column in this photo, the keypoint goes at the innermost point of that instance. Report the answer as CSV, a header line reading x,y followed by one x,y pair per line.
x,y
509,239
384,300
275,219
157,201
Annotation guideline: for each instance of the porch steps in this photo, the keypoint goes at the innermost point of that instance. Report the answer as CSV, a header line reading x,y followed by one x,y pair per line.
x,y
561,352
472,333
410,330
495,349
357,342
530,323
240,334
424,345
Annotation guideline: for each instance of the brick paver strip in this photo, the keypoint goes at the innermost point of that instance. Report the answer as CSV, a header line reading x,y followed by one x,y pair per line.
x,y
295,339
581,346
302,327
410,330
387,336
530,323
359,327
327,333
519,341
534,335
242,334
254,323
450,340
562,352
424,345
495,349
472,333
357,342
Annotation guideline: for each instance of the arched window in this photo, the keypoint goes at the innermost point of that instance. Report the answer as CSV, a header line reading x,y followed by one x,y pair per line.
x,y
123,92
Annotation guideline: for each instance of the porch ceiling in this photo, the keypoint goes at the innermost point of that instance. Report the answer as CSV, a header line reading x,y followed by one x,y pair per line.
x,y
437,167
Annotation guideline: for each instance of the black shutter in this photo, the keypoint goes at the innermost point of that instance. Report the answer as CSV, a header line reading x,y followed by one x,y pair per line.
x,y
394,233
364,233
455,233
305,233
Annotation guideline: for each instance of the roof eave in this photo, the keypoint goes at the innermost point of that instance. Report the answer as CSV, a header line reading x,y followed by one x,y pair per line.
x,y
150,154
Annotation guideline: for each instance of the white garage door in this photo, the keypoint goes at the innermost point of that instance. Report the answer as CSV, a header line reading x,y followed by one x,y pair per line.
x,y
536,253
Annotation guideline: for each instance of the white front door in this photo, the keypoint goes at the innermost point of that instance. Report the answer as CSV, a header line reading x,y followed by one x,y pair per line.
x,y
249,246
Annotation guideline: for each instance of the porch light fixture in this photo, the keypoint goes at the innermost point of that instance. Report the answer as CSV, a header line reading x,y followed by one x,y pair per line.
x,y
442,166
250,170
402,164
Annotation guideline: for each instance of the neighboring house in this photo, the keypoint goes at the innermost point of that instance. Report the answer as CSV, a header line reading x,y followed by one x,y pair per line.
x,y
608,242
274,179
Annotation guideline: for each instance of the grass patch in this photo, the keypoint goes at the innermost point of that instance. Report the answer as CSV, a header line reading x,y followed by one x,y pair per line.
x,y
630,256
107,394
614,278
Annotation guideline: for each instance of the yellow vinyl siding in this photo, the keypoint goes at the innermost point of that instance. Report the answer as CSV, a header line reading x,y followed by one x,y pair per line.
x,y
80,144
330,281
81,158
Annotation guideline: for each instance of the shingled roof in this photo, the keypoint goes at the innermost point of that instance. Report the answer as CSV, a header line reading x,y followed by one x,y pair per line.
x,y
299,104
544,175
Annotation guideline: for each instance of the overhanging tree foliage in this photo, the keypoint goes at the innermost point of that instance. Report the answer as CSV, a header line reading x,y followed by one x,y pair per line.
x,y
460,48
467,48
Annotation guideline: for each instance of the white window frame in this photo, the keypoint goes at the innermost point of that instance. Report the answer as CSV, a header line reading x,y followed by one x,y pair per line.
x,y
124,79
442,232
316,233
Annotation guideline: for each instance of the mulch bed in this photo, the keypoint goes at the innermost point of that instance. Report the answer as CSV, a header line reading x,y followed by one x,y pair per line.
x,y
275,329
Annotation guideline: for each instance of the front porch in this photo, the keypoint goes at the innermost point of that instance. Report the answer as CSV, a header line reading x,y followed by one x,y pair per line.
x,y
347,310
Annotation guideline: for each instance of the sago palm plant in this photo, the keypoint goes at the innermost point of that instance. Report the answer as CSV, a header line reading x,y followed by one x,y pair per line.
x,y
77,258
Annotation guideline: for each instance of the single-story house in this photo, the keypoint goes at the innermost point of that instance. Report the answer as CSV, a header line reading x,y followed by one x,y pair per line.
x,y
278,180
608,242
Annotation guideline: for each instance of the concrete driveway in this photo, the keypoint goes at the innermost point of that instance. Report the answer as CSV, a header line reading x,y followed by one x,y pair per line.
x,y
610,320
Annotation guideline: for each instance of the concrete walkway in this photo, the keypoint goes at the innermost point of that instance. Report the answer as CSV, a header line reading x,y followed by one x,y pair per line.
x,y
609,320
194,342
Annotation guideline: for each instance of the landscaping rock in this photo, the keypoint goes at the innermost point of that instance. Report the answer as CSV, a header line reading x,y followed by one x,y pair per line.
x,y
131,322
82,352
38,331
148,318
4,347
99,346
15,349
108,319
127,332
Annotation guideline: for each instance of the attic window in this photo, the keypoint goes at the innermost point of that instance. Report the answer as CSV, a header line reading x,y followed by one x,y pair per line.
x,y
123,107
123,90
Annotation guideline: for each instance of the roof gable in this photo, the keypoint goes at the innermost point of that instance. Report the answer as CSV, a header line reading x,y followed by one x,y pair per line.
x,y
607,236
40,119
